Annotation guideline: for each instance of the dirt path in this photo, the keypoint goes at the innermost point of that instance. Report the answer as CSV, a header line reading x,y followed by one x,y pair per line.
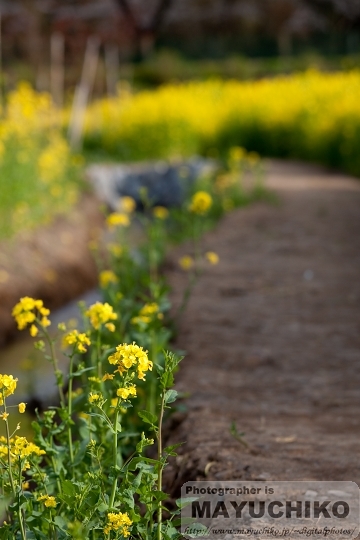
x,y
272,336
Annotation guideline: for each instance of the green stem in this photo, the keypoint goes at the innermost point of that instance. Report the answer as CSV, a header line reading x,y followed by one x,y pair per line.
x,y
23,533
153,380
21,515
70,389
98,352
114,486
57,371
160,451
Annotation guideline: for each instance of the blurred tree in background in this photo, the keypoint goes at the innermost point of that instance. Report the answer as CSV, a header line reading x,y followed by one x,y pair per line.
x,y
194,28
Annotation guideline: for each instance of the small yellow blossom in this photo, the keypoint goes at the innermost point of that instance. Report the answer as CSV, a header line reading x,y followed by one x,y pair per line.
x,y
94,379
33,330
117,219
147,313
127,204
200,202
94,397
20,447
160,212
44,321
115,249
118,522
25,485
100,314
108,377
22,407
49,501
127,356
7,386
110,326
27,310
106,277
186,262
79,340
124,393
4,416
212,257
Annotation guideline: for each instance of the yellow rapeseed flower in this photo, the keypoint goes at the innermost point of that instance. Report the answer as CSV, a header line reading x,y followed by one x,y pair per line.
x,y
106,277
27,311
117,219
160,212
118,522
7,386
21,447
212,257
147,313
4,416
186,262
200,202
94,397
124,393
48,500
80,341
127,204
22,407
100,314
127,356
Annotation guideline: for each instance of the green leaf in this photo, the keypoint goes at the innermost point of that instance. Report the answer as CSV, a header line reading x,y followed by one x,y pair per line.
x,y
171,396
60,522
170,449
148,417
68,488
185,501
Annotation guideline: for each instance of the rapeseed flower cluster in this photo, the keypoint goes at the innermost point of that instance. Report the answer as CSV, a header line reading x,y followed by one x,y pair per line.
x,y
101,314
127,204
106,277
148,313
20,447
27,311
200,203
160,212
117,219
127,356
124,393
7,387
48,500
118,522
80,341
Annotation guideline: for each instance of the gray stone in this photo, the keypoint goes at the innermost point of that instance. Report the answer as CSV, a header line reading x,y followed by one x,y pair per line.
x,y
166,183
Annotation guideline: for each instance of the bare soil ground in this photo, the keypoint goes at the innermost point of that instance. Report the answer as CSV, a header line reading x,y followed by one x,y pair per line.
x,y
53,263
272,335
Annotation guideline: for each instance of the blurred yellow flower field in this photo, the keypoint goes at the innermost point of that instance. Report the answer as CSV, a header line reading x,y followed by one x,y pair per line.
x,y
313,116
37,169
